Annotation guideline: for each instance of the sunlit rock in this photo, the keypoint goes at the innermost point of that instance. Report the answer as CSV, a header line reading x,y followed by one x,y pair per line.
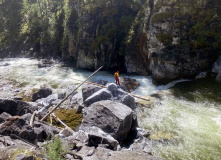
x,y
112,117
88,90
102,94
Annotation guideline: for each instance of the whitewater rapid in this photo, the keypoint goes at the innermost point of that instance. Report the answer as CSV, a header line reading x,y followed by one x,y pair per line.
x,y
186,124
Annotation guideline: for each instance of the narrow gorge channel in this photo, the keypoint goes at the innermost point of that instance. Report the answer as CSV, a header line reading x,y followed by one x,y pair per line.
x,y
184,124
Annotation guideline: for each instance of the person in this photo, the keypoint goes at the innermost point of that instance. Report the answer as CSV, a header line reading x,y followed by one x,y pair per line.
x,y
116,75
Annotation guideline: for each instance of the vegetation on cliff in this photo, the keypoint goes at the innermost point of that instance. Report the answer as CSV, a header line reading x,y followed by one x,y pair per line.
x,y
196,24
64,28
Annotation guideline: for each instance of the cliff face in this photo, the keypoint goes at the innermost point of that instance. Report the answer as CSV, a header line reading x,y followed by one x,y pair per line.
x,y
166,39
185,40
100,34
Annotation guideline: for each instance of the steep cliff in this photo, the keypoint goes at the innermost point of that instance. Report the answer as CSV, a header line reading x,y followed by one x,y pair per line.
x,y
166,39
187,32
100,36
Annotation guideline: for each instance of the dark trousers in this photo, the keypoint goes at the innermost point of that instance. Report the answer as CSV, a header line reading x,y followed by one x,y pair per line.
x,y
117,81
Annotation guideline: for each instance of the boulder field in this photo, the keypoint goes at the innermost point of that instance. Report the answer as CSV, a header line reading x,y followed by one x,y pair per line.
x,y
109,128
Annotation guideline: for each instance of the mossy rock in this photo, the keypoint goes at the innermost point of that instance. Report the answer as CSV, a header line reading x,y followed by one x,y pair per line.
x,y
27,97
69,117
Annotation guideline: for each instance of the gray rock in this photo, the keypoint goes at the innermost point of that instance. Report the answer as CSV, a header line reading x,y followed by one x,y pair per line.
x,y
41,134
80,108
26,117
112,117
101,82
44,131
128,154
112,87
201,75
16,107
217,66
86,151
129,101
76,100
100,153
97,136
47,101
70,89
4,116
65,132
218,77
118,94
80,136
102,94
42,93
129,84
20,156
28,134
88,90
69,157
143,132
19,127
61,95
147,149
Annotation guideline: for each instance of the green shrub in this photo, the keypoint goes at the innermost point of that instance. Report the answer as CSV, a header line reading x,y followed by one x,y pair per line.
x,y
55,149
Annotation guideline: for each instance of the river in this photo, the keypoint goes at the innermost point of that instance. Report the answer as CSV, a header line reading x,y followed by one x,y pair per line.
x,y
186,124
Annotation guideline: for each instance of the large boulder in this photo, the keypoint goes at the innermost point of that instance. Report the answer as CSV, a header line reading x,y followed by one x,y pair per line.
x,y
102,94
44,131
112,117
129,83
88,90
19,127
117,92
173,66
16,107
129,101
42,93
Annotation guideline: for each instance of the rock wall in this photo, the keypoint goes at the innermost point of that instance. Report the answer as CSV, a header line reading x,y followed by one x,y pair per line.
x,y
164,39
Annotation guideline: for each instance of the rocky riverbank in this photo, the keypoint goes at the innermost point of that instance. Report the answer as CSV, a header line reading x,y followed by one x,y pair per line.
x,y
109,128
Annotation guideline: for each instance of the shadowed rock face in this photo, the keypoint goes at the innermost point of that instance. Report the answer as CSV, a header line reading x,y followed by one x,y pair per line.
x,y
15,107
112,117
42,93
18,126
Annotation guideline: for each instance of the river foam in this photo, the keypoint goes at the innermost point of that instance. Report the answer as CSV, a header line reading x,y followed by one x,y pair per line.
x,y
186,124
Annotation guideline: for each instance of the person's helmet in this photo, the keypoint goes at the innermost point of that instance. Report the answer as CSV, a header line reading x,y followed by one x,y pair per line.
x,y
117,71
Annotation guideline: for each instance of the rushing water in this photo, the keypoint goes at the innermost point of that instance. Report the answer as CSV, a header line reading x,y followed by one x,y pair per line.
x,y
186,124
